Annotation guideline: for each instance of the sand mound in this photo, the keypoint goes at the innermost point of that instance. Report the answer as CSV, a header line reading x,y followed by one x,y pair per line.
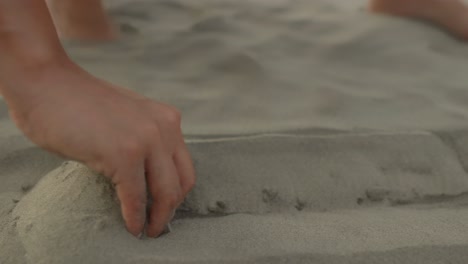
x,y
278,173
71,217
273,198
64,216
320,133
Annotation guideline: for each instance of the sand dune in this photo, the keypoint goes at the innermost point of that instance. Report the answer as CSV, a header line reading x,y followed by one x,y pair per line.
x,y
320,134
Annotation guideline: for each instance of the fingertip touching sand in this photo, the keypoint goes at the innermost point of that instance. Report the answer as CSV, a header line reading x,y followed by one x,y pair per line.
x,y
319,134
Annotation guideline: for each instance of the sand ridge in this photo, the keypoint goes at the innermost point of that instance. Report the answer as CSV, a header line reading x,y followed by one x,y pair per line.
x,y
71,214
319,134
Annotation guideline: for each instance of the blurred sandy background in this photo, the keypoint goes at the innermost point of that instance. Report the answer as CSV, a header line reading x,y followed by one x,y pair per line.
x,y
320,134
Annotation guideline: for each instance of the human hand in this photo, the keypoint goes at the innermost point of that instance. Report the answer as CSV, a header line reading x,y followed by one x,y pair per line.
x,y
134,141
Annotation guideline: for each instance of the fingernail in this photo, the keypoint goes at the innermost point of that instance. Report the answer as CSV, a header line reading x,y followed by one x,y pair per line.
x,y
166,230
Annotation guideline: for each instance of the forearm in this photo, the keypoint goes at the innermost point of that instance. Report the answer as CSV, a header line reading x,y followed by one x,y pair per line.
x,y
29,48
27,36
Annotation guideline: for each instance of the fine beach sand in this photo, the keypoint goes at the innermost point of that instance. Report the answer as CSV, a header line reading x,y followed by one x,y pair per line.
x,y
320,134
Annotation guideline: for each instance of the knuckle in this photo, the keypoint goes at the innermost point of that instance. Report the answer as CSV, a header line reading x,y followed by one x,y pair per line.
x,y
173,116
172,200
150,131
130,148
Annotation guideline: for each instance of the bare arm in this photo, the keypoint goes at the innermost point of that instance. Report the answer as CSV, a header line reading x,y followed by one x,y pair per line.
x,y
134,141
28,41
27,35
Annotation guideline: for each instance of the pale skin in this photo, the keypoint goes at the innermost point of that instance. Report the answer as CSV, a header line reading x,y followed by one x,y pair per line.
x,y
451,15
86,19
134,141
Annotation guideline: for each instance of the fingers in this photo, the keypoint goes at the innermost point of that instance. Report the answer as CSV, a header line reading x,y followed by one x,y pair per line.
x,y
169,176
184,165
164,187
131,190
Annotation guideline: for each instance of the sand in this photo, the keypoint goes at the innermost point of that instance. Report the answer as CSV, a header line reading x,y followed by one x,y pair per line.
x,y
320,134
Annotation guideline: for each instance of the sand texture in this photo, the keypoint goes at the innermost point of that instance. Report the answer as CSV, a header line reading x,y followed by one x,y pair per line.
x,y
320,134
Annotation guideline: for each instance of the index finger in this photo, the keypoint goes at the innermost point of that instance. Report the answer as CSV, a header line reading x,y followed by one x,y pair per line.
x,y
131,190
164,186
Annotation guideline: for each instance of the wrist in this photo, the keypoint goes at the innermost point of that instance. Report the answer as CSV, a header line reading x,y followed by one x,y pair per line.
x,y
24,83
19,61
